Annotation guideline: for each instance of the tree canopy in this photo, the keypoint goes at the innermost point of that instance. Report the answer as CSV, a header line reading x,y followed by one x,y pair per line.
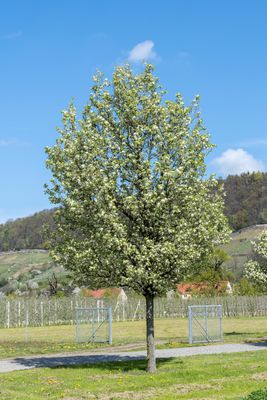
x,y
136,208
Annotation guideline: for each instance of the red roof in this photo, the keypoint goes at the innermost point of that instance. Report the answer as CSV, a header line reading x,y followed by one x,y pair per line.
x,y
100,293
185,288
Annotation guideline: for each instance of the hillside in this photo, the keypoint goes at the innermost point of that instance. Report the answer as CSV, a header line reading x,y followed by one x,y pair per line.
x,y
240,248
26,270
26,233
246,199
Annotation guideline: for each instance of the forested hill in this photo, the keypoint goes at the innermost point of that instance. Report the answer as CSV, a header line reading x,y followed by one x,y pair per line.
x,y
26,233
246,199
245,205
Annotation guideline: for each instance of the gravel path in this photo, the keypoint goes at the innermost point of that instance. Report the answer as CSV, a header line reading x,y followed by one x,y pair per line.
x,y
55,360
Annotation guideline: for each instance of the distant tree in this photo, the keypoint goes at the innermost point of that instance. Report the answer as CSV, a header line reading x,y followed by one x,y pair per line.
x,y
244,288
256,269
53,285
246,199
135,206
217,258
211,269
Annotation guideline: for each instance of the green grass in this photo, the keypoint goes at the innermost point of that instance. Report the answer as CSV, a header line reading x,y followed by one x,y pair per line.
x,y
169,333
213,377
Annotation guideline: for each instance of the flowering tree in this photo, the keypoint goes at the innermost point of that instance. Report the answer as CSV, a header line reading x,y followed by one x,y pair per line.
x,y
257,270
136,208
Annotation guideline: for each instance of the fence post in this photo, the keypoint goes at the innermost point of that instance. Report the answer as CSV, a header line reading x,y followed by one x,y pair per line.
x,y
71,310
27,317
206,323
123,310
97,306
55,312
8,314
19,313
221,330
110,325
137,307
42,313
26,323
77,324
190,324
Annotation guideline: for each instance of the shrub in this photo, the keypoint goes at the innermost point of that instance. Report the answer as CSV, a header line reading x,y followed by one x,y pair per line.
x,y
258,395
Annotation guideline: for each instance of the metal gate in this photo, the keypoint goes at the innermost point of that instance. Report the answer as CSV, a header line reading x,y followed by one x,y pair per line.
x,y
94,325
205,324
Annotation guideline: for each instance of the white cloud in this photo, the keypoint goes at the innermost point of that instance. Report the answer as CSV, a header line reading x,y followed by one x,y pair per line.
x,y
237,161
142,52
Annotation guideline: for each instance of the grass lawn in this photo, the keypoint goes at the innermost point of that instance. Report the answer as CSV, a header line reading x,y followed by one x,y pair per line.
x,y
229,376
169,333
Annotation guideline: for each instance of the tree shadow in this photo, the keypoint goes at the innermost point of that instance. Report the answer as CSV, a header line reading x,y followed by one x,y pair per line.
x,y
109,362
247,334
124,365
258,343
235,333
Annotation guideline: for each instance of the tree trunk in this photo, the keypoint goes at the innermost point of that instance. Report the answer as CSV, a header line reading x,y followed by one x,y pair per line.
x,y
151,357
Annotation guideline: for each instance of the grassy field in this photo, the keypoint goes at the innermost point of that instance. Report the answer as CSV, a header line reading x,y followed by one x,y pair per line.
x,y
169,333
198,377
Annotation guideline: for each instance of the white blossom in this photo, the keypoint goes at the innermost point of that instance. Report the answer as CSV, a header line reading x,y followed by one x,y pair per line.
x,y
135,206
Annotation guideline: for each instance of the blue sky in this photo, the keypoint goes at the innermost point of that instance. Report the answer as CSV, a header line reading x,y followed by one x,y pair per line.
x,y
50,49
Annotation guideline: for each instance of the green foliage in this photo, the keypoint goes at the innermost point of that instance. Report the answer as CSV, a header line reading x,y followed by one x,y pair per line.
x,y
257,395
211,270
60,294
246,199
129,177
217,258
245,288
212,276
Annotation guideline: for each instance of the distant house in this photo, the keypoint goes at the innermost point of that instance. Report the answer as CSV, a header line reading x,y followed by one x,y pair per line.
x,y
111,293
187,290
